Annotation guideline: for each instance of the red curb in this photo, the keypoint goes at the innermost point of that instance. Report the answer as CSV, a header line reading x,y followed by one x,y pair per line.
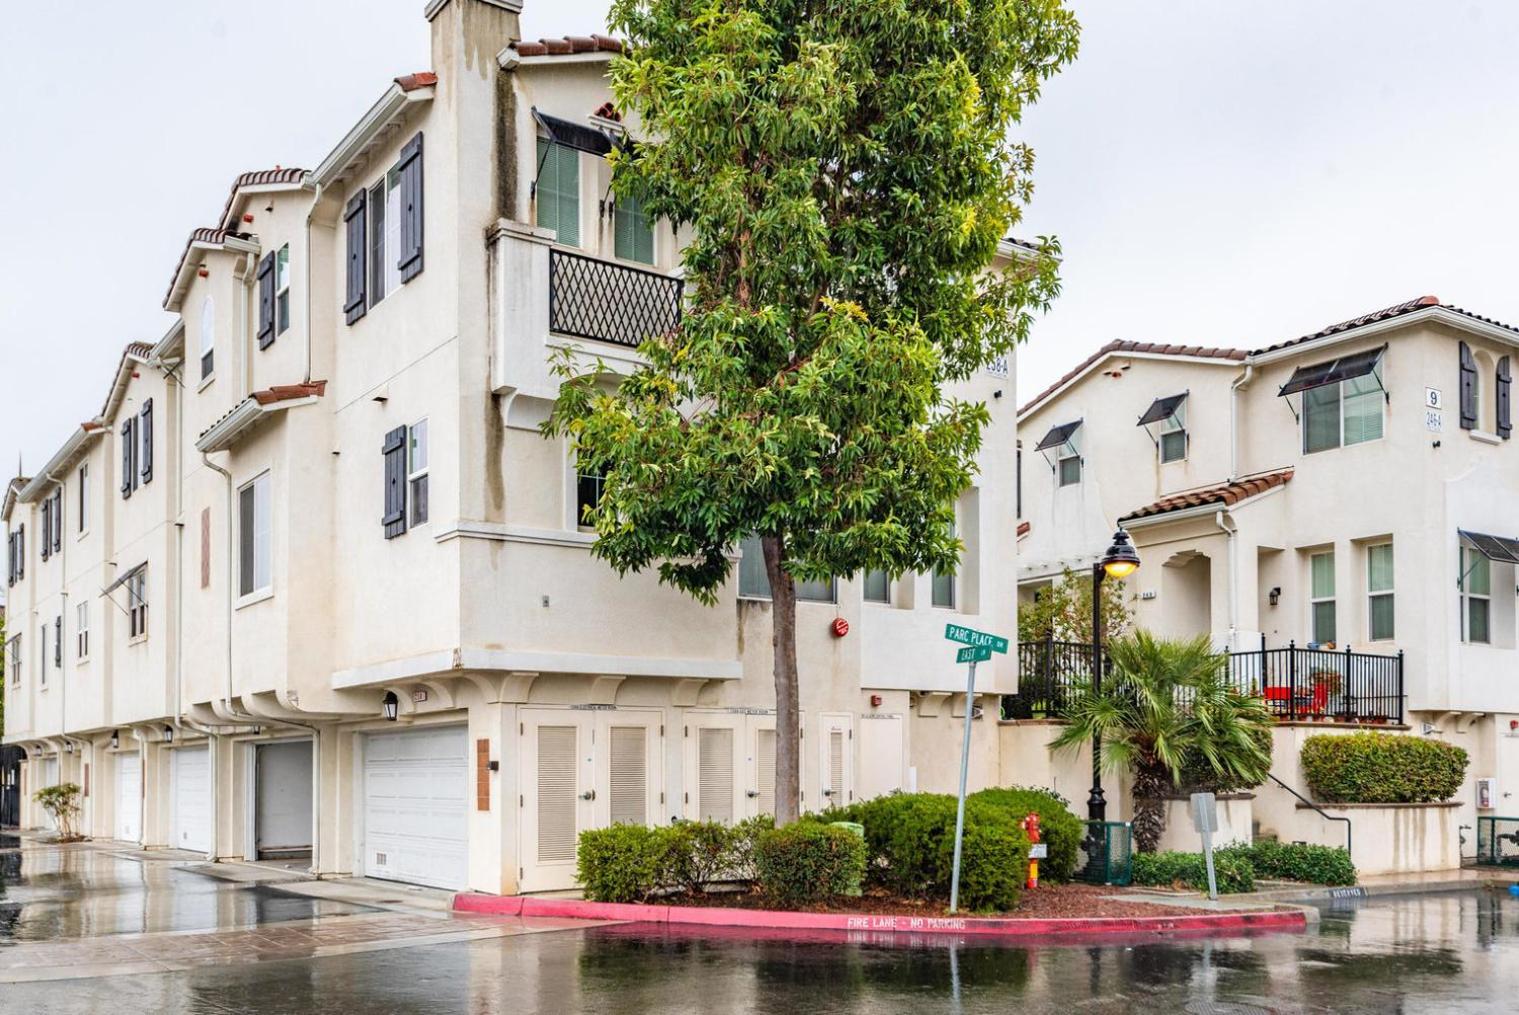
x,y
578,909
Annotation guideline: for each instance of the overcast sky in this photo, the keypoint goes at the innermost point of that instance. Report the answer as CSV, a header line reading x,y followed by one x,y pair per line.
x,y
1223,173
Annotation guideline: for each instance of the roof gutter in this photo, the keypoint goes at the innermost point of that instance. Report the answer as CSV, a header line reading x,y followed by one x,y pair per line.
x,y
45,476
366,133
1443,315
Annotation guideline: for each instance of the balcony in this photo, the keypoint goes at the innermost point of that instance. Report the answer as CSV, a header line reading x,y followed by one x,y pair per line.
x,y
546,296
1297,684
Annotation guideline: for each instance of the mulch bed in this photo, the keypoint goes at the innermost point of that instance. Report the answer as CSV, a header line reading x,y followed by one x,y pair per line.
x,y
1049,901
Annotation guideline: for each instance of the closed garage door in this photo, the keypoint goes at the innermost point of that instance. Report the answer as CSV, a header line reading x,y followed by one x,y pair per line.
x,y
190,772
129,797
415,793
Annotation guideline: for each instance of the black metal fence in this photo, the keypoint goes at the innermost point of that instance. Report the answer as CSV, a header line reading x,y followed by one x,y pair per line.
x,y
1296,683
610,302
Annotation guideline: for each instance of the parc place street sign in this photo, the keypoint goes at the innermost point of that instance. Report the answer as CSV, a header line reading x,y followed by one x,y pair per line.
x,y
979,647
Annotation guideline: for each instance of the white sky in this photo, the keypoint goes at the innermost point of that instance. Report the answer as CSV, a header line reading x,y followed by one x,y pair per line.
x,y
1223,173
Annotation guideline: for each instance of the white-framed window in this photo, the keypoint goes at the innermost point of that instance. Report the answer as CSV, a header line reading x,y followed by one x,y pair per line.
x,y
137,604
83,484
944,582
416,471
754,583
877,587
558,191
13,653
634,231
589,486
1068,465
282,290
1173,436
1379,601
42,656
1476,596
82,631
1344,413
1321,596
208,337
253,537
385,236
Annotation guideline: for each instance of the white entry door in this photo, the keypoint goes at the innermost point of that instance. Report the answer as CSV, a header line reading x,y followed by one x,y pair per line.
x,y
835,760
558,776
129,797
883,753
416,792
730,766
190,776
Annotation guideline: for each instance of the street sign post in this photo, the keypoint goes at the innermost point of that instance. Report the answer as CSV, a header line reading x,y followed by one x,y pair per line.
x,y
1205,821
979,647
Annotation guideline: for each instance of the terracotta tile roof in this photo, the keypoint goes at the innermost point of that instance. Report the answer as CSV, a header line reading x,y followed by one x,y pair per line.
x,y
1122,346
259,178
285,392
421,79
607,111
568,45
215,237
1225,494
1385,314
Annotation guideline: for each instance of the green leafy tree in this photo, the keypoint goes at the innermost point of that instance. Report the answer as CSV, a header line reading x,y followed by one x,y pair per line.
x,y
62,803
847,174
1062,610
1167,710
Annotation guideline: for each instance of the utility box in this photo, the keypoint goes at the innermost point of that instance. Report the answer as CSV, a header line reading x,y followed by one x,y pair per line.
x,y
1487,792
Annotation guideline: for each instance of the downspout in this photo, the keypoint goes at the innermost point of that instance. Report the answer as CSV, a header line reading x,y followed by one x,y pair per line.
x,y
244,352
1232,532
1242,381
316,198
205,457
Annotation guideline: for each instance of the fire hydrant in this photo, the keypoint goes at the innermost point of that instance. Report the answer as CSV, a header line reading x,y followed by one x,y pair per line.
x,y
1031,826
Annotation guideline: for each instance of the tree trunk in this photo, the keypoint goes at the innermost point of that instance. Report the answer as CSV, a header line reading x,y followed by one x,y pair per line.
x,y
788,748
1152,781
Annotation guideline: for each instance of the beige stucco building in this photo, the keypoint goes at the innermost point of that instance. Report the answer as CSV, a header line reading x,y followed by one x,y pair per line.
x,y
323,493
1350,490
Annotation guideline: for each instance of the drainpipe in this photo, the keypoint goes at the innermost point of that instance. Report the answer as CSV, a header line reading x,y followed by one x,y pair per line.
x,y
244,353
1240,382
1232,531
315,200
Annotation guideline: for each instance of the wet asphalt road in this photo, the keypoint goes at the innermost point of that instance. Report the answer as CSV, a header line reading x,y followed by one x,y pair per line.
x,y
1435,953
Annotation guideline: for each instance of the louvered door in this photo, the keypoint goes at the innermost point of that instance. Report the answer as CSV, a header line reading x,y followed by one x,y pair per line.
x,y
558,797
629,783
835,761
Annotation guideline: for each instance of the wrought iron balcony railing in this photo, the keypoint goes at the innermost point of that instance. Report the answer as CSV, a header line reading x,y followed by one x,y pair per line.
x,y
610,302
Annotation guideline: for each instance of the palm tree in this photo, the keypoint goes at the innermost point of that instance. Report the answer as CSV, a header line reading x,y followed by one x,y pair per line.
x,y
1168,704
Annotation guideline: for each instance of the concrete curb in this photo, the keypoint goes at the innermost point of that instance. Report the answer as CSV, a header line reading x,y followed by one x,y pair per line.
x,y
759,919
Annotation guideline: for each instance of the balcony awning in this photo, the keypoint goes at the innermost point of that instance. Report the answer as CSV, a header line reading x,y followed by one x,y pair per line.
x,y
1316,375
1496,548
1058,435
574,135
121,579
1162,408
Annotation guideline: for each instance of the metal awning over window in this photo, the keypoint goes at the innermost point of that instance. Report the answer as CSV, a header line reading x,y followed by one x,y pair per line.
x,y
1333,371
122,578
573,135
1058,435
1162,409
1495,548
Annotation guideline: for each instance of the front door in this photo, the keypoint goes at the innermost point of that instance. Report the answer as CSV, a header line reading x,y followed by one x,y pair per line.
x,y
129,797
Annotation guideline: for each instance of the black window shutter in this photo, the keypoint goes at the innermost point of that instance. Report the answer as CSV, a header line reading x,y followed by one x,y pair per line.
x,y
1505,420
1468,389
10,558
411,209
47,528
128,471
266,301
147,441
394,450
354,217
21,552
58,642
58,519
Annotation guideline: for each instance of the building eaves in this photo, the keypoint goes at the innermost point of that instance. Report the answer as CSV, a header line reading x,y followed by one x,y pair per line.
x,y
1120,347
85,435
1385,314
1223,494
259,180
233,425
201,239
567,45
12,491
135,353
374,127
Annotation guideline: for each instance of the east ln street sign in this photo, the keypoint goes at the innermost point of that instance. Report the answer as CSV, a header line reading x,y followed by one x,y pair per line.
x,y
973,654
980,639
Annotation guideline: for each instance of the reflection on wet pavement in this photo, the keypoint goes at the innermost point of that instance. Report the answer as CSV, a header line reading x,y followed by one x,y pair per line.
x,y
1427,954
48,894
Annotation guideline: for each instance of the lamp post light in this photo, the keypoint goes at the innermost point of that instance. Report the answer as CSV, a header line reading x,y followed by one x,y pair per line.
x,y
392,706
1120,561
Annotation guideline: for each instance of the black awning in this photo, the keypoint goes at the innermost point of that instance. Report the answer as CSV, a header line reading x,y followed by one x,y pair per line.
x,y
1316,375
574,135
1162,408
1058,436
1499,548
121,579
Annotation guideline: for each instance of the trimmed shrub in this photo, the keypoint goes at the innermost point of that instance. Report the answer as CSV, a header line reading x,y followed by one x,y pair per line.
x,y
807,862
745,838
696,854
1382,768
623,863
1231,870
1061,830
1289,861
993,865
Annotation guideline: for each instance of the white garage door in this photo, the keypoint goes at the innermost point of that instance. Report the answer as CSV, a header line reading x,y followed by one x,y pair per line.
x,y
129,797
190,772
415,795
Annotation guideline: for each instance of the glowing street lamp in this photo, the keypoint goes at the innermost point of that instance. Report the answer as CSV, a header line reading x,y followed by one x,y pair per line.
x,y
1120,561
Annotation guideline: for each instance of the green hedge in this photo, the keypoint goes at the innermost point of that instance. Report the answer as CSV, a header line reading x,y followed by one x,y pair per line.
x,y
1232,871
910,839
623,863
1061,830
1380,768
1290,861
807,862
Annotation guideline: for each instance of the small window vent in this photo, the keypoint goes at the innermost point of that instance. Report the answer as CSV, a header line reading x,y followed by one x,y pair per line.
x,y
381,860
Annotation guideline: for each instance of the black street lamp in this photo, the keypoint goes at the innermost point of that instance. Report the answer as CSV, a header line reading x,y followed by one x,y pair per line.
x,y
1120,561
392,705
